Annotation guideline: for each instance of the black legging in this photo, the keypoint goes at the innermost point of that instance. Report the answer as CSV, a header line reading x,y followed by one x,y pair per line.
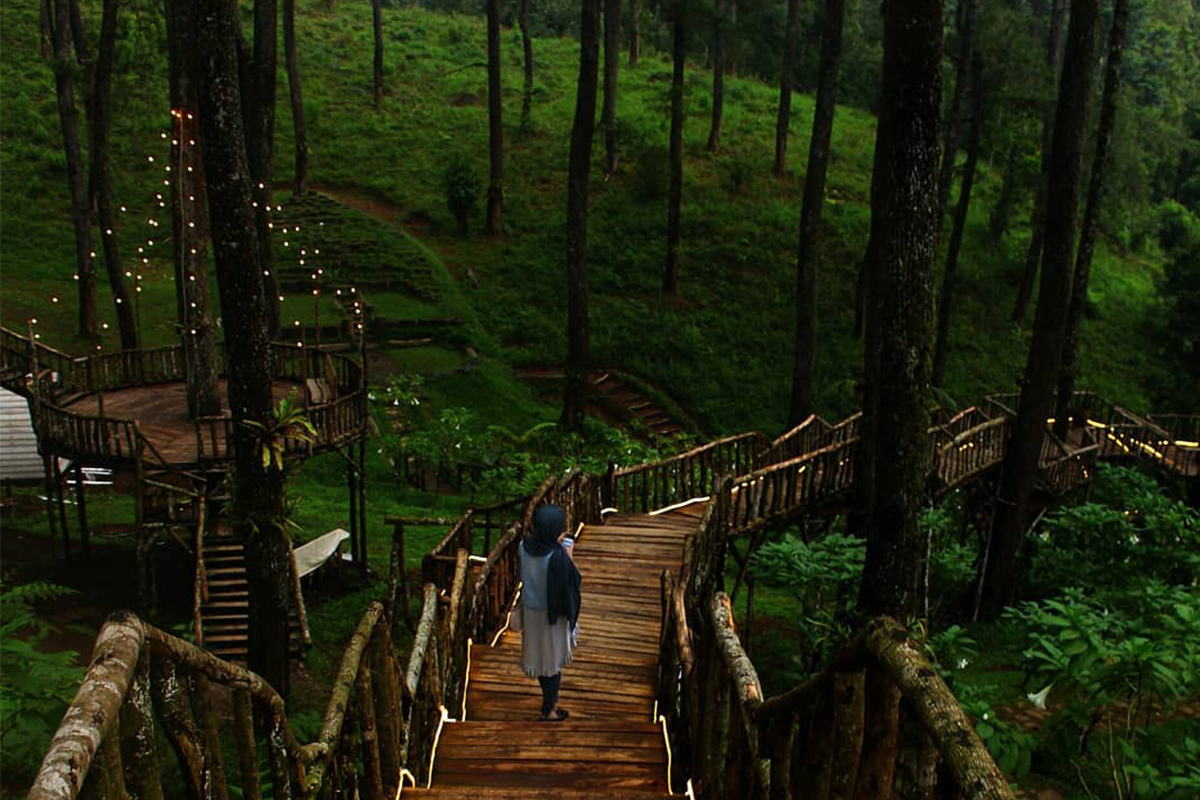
x,y
549,693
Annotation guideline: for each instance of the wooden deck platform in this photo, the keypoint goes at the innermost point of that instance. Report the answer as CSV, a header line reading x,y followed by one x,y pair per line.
x,y
610,747
161,412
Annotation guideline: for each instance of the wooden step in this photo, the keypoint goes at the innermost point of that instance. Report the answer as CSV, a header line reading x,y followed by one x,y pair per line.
x,y
526,793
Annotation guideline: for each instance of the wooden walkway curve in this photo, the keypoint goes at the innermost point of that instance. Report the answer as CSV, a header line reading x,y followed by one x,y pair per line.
x,y
611,746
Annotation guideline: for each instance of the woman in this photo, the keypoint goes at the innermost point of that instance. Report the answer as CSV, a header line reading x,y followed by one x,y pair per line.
x,y
550,606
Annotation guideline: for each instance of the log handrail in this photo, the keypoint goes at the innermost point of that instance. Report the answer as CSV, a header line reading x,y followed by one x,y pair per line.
x,y
882,643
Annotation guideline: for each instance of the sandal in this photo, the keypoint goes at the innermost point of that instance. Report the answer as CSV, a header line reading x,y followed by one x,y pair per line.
x,y
558,716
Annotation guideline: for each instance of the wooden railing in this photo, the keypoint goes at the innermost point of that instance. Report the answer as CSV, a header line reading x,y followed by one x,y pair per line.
x,y
804,438
438,565
971,452
740,743
72,435
776,491
647,487
381,716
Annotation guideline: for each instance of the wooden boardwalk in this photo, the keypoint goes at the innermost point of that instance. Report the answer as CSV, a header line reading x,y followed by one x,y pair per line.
x,y
611,746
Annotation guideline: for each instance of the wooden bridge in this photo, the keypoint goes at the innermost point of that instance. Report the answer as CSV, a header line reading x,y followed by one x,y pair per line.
x,y
663,698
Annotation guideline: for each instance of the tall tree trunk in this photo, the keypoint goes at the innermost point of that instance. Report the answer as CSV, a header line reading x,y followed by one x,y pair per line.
x,y
258,510
635,34
786,77
101,177
612,60
964,21
1091,215
808,256
377,21
950,278
258,112
670,284
300,130
718,68
578,168
1037,221
905,189
189,221
527,49
46,28
1046,345
76,177
495,195
998,218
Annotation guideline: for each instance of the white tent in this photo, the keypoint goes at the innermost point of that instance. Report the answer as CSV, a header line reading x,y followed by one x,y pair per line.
x,y
19,459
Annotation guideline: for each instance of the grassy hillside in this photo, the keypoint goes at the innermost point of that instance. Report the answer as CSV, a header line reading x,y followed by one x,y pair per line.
x,y
723,349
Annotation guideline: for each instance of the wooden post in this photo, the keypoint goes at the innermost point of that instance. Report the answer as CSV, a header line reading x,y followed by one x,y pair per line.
x,y
139,512
243,734
386,694
281,773
62,508
138,755
172,701
50,513
203,706
362,501
352,488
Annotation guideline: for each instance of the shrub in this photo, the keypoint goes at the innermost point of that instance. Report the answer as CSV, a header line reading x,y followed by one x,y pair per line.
x,y
462,186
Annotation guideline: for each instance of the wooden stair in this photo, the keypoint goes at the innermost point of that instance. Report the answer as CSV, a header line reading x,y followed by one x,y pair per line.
x,y
641,408
225,615
610,747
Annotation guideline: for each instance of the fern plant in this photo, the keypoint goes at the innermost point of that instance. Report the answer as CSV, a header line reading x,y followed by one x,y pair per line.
x,y
37,685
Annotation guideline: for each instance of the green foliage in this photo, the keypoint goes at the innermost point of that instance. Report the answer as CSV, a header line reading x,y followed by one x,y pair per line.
x,y
462,188
289,424
1131,532
37,686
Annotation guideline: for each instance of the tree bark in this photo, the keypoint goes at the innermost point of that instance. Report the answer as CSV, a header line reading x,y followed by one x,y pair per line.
x,y
258,113
1046,345
578,168
258,510
527,50
904,195
300,130
964,21
101,176
938,710
950,278
998,218
786,77
848,710
189,222
612,60
1037,221
718,68
1091,216
670,284
881,728
77,181
635,34
377,20
808,254
495,196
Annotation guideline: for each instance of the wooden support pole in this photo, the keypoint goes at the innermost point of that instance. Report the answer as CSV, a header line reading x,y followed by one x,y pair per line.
x,y
247,751
62,508
287,776
138,755
352,489
48,476
362,502
387,696
202,705
369,739
81,507
172,700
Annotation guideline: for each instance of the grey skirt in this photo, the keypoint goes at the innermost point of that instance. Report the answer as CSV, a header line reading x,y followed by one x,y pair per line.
x,y
545,648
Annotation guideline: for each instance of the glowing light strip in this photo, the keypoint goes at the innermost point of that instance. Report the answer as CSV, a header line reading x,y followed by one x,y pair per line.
x,y
667,742
608,510
691,792
685,503
436,738
466,680
1183,443
404,773
508,618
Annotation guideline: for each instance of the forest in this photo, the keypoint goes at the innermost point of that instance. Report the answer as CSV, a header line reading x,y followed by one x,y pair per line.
x,y
870,392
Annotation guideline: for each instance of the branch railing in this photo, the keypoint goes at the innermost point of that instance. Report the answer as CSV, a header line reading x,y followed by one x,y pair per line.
x,y
380,717
744,743
804,438
768,494
657,484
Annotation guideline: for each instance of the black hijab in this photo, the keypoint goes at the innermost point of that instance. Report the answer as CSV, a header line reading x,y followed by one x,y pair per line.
x,y
562,577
